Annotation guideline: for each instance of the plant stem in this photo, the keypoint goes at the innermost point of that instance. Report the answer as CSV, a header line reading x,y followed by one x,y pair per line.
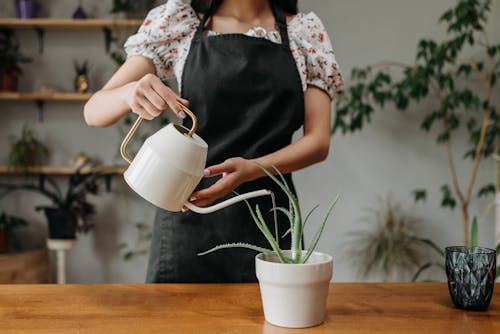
x,y
464,204
486,121
465,223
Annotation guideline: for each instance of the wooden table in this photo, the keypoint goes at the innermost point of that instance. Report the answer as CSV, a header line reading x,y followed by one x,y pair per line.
x,y
175,308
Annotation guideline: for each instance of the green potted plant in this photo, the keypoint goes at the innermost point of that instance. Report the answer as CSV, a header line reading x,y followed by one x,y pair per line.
x,y
81,77
70,211
27,150
386,243
8,223
456,78
293,283
10,58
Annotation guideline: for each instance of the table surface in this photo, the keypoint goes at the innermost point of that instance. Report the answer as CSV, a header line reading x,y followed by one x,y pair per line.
x,y
232,308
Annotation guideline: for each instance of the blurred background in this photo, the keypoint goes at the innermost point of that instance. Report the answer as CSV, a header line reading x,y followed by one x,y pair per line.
x,y
399,204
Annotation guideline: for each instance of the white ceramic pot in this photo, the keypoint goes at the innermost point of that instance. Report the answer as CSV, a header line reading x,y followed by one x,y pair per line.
x,y
294,295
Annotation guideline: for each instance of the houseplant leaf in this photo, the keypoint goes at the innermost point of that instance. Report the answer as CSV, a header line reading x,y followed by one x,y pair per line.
x,y
237,245
425,267
473,233
315,240
431,244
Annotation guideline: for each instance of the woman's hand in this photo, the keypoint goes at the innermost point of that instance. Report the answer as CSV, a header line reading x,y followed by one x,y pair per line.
x,y
148,97
234,171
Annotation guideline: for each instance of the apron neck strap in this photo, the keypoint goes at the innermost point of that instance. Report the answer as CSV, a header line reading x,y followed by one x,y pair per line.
x,y
279,17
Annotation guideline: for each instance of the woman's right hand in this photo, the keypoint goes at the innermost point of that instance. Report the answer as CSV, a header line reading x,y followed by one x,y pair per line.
x,y
149,97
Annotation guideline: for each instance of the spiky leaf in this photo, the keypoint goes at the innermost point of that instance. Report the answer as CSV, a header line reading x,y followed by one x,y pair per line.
x,y
237,245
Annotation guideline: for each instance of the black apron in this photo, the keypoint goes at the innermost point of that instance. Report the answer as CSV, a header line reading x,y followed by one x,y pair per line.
x,y
247,95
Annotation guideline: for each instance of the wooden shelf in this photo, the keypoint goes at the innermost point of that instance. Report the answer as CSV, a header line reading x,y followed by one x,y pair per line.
x,y
54,23
63,170
44,96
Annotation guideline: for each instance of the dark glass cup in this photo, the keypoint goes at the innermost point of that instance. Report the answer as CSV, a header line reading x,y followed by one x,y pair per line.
x,y
471,276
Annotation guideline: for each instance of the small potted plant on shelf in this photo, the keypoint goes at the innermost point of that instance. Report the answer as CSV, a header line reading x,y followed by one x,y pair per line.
x,y
10,58
131,9
27,150
293,283
81,78
26,9
79,12
7,225
70,211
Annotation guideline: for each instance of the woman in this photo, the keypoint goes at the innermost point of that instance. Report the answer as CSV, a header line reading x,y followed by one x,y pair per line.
x,y
253,71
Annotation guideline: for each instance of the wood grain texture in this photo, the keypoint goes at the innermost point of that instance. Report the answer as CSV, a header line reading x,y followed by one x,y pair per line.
x,y
58,170
232,308
54,23
59,97
26,267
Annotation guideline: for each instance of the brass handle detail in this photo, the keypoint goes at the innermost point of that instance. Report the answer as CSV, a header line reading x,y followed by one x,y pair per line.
x,y
133,129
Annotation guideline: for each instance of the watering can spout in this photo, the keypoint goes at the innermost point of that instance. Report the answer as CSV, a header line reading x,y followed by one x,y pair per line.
x,y
228,202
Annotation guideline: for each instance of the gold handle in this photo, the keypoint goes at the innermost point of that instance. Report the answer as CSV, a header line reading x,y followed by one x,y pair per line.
x,y
133,129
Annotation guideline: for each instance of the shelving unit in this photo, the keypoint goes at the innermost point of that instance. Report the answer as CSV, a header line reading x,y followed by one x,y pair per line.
x,y
55,23
41,98
40,25
58,170
43,171
68,97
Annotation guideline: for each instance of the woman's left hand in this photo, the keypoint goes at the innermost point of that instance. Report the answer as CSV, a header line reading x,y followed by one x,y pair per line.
x,y
234,171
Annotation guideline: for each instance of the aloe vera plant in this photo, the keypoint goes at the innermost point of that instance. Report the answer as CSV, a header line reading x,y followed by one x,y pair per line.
x,y
297,225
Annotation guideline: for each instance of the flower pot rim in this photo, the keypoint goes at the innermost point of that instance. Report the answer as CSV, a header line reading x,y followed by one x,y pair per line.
x,y
461,249
329,258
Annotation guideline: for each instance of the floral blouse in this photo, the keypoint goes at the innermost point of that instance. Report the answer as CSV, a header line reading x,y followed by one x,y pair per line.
x,y
166,33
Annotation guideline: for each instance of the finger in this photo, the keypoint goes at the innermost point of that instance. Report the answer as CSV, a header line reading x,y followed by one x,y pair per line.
x,y
139,110
183,101
167,95
174,106
149,107
204,202
155,99
220,188
225,167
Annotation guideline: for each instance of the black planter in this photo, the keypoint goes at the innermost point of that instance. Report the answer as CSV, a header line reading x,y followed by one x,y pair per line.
x,y
62,223
471,276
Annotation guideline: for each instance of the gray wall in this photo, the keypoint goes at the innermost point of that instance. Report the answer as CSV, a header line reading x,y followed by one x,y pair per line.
x,y
390,156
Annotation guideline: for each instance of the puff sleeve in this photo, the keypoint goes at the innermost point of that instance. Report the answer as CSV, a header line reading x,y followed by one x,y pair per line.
x,y
320,67
162,36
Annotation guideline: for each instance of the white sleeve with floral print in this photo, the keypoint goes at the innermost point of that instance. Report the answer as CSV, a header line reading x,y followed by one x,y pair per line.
x,y
166,34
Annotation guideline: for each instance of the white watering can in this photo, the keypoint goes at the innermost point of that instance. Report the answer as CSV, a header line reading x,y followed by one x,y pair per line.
x,y
169,166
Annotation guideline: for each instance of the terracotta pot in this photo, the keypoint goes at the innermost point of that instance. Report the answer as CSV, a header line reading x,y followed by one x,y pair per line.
x,y
3,241
8,83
